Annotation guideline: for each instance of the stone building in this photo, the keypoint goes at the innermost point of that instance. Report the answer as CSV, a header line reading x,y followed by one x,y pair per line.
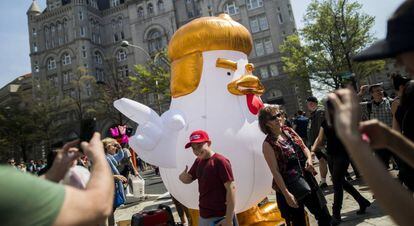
x,y
72,34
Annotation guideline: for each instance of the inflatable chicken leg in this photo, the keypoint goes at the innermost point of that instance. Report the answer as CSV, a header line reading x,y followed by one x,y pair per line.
x,y
213,89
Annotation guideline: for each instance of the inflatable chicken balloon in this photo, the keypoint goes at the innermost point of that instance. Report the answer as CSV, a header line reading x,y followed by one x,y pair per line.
x,y
213,89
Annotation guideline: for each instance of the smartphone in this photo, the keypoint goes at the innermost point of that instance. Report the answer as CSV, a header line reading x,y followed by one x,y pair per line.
x,y
87,129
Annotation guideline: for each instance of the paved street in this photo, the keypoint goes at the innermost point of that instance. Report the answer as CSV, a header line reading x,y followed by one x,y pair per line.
x,y
155,190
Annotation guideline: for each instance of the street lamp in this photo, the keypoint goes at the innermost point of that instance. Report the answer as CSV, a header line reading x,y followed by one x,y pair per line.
x,y
125,44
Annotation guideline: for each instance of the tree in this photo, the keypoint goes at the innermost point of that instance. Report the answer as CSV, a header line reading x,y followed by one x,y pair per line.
x,y
153,81
334,31
116,86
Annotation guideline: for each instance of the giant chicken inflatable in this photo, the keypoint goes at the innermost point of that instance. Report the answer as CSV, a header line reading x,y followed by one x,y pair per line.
x,y
213,89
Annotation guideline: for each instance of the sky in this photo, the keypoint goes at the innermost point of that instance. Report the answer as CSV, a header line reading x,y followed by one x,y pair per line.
x,y
14,45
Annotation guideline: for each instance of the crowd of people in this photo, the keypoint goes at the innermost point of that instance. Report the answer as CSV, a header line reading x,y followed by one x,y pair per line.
x,y
367,134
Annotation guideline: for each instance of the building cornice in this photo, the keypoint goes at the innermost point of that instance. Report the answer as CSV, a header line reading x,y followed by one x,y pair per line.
x,y
53,13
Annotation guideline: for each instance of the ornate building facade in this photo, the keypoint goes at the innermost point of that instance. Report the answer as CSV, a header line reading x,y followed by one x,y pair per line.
x,y
69,34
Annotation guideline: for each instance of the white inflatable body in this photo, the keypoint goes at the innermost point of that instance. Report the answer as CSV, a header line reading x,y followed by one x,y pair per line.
x,y
232,128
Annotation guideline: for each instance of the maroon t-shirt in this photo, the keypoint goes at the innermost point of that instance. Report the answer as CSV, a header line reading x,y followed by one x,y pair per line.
x,y
212,174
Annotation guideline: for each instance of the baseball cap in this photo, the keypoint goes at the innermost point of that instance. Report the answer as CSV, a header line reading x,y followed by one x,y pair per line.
x,y
399,39
312,99
197,136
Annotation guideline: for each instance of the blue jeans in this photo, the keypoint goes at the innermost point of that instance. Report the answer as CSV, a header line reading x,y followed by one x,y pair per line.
x,y
211,221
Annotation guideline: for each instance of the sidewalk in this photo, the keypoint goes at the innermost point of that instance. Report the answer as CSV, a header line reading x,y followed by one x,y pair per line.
x,y
157,194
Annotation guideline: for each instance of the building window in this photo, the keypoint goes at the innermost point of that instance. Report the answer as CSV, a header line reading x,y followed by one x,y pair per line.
x,y
82,31
34,33
258,23
120,22
275,93
279,16
66,59
258,45
99,75
254,25
80,15
122,35
34,47
160,5
263,22
150,9
123,71
263,72
140,11
121,55
231,8
66,77
155,41
84,54
51,63
115,3
98,58
36,67
88,89
268,45
116,38
274,70
54,80
253,4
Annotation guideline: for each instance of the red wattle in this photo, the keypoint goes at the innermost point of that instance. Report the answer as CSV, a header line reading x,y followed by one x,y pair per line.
x,y
254,103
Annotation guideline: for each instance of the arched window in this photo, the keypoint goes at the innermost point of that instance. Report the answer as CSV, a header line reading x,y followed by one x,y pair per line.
x,y
121,55
150,9
98,57
231,8
51,63
155,42
120,22
160,5
66,60
140,11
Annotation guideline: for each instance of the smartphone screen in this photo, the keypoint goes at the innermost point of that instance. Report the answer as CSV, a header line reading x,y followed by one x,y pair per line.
x,y
87,129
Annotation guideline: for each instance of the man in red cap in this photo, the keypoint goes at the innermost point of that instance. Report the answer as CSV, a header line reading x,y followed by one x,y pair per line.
x,y
215,182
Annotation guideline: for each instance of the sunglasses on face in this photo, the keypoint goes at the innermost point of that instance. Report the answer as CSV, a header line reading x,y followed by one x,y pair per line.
x,y
274,117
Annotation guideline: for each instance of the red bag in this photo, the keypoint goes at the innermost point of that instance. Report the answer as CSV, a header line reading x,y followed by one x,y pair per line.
x,y
159,217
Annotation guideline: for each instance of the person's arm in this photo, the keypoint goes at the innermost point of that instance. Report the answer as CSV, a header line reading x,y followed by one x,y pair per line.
x,y
394,107
274,168
318,141
230,203
94,204
390,194
381,136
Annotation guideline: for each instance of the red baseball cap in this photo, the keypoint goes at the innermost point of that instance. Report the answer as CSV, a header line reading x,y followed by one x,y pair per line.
x,y
197,136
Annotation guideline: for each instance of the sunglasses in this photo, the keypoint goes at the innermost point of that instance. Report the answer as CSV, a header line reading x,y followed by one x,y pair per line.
x,y
274,117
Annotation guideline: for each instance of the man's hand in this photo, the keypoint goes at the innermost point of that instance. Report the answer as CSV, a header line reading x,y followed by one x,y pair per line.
x,y
362,90
309,167
377,132
121,178
94,148
225,222
64,160
290,199
185,177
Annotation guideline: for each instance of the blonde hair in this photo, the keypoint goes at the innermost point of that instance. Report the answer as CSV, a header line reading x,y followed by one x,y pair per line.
x,y
202,34
107,141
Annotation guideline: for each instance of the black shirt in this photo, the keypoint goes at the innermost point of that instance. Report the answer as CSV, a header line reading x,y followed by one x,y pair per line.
x,y
334,145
